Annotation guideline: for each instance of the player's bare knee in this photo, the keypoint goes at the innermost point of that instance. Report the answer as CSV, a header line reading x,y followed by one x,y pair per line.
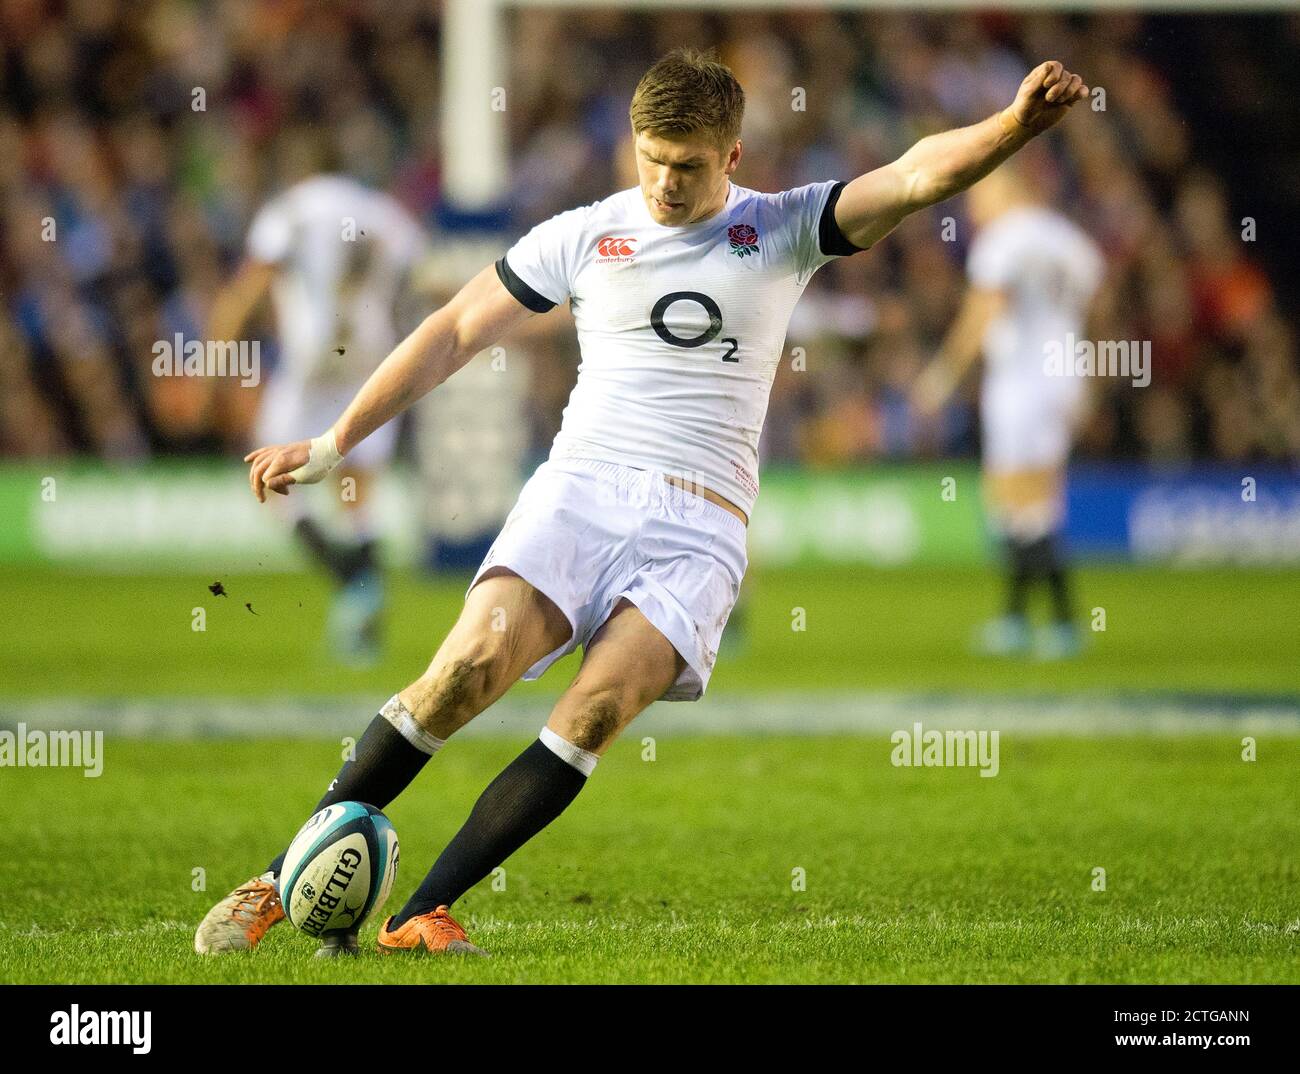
x,y
597,720
457,688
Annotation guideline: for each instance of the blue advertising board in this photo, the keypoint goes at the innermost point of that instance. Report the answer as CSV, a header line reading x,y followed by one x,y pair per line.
x,y
1202,514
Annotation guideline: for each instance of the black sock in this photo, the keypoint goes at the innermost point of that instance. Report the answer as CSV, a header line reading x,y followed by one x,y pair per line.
x,y
1019,578
343,561
1058,583
358,558
1034,562
384,766
532,791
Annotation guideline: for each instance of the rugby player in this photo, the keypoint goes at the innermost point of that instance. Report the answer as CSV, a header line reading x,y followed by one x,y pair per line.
x,y
629,540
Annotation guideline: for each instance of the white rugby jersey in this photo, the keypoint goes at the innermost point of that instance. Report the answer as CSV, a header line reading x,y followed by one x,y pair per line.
x,y
332,291
1050,271
681,328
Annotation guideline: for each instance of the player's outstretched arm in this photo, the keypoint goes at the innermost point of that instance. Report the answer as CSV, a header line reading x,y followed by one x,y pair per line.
x,y
959,351
235,302
945,164
479,314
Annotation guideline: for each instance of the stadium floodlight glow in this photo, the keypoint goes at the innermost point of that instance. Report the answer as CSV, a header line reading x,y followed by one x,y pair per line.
x,y
473,133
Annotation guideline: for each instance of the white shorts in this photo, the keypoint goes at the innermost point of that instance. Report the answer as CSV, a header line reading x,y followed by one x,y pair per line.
x,y
1026,428
292,410
588,533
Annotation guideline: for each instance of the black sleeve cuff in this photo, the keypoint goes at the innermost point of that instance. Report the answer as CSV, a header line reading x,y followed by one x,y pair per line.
x,y
830,238
527,297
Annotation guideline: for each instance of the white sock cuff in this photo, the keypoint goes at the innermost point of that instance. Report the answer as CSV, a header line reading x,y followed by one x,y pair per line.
x,y
399,716
583,760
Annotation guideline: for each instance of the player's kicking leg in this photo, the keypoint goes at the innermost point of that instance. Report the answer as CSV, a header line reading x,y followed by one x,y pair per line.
x,y
476,663
627,665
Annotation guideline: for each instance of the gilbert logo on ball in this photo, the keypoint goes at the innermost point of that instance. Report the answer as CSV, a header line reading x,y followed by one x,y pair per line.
x,y
339,869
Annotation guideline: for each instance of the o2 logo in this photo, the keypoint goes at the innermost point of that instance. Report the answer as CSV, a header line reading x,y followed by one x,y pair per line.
x,y
690,342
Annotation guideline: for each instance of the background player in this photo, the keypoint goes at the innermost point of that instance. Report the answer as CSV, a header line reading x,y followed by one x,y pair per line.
x,y
335,255
1033,275
629,541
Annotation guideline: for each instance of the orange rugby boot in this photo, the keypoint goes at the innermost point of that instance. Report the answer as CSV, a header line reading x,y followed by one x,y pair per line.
x,y
436,931
240,920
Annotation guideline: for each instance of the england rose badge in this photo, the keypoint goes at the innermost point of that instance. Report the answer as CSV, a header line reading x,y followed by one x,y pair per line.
x,y
744,240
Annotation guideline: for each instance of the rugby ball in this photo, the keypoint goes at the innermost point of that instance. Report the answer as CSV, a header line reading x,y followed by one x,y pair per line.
x,y
339,869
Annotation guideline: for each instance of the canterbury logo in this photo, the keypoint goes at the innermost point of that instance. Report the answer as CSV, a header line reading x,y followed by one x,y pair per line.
x,y
616,247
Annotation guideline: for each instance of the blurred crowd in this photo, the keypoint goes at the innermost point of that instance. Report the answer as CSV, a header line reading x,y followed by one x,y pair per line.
x,y
137,141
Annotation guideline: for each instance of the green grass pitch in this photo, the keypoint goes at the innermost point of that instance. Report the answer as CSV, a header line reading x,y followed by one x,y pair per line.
x,y
683,868
1191,631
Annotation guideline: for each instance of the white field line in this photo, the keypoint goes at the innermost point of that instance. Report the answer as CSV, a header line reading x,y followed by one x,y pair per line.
x,y
151,929
775,713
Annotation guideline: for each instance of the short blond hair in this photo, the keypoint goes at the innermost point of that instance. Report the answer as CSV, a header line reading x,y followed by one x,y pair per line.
x,y
689,92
